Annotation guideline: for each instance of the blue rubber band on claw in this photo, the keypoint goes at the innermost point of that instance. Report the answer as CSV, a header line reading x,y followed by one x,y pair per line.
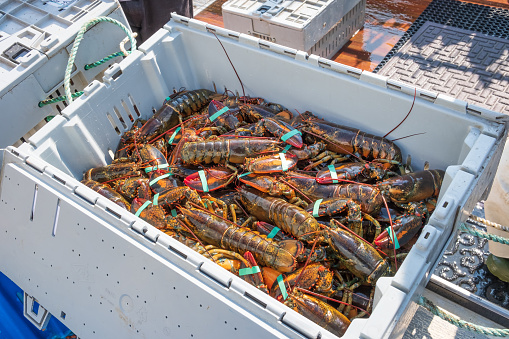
x,y
282,286
316,207
290,134
161,166
174,135
159,178
333,174
273,233
393,238
218,113
138,212
249,270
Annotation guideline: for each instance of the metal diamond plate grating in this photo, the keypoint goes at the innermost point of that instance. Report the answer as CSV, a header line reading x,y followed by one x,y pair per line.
x,y
466,65
488,20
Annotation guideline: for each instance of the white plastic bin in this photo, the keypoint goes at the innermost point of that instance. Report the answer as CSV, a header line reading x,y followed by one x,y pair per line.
x,y
36,37
317,27
114,275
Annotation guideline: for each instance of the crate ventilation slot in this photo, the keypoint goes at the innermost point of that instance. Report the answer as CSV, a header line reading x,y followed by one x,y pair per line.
x,y
131,100
112,122
254,299
128,111
34,201
119,116
177,252
55,222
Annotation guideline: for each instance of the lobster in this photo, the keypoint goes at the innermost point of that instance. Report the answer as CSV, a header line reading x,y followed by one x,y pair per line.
x,y
173,110
225,234
368,197
412,187
318,312
220,151
348,140
361,258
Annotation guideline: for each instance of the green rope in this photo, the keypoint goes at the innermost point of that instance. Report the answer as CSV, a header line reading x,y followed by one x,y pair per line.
x,y
103,60
496,332
77,42
57,99
485,235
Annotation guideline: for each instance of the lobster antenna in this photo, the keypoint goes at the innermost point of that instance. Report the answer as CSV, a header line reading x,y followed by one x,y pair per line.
x,y
296,189
240,206
413,102
408,136
237,74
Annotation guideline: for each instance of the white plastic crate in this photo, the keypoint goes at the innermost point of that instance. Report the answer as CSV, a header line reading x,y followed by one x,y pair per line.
x,y
36,37
318,27
114,275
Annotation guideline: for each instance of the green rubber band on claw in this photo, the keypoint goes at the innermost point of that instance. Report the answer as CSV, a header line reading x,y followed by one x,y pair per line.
x,y
249,270
333,174
138,212
159,178
150,169
290,134
273,233
203,180
156,199
282,286
218,113
284,165
170,142
393,238
244,174
174,212
316,207
286,148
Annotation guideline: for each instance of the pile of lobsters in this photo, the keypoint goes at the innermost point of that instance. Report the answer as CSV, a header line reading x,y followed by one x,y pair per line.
x,y
308,211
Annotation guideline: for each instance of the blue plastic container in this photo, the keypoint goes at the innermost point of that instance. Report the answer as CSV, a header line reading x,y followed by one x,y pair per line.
x,y
13,323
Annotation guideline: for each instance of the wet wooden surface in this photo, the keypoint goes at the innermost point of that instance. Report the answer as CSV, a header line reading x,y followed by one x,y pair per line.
x,y
386,21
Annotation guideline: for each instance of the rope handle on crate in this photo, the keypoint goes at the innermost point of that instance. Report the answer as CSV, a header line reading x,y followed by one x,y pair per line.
x,y
123,52
77,42
496,332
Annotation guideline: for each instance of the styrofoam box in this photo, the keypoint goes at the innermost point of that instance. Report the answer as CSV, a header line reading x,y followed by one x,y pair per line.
x,y
36,38
113,275
318,27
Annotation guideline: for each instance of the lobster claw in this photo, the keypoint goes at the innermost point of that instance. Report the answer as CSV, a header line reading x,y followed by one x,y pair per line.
x,y
406,226
222,115
271,163
282,130
216,178
153,214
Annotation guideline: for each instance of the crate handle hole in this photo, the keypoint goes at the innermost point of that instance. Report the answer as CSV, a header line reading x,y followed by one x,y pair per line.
x,y
426,236
445,204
